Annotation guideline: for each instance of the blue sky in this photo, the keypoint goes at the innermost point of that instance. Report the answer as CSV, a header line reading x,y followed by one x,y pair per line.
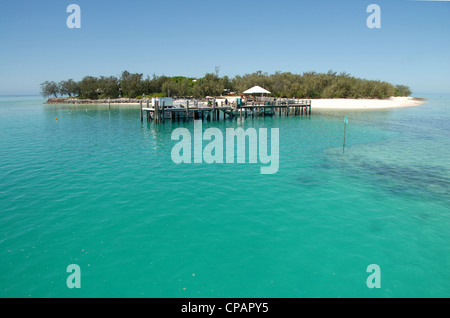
x,y
191,37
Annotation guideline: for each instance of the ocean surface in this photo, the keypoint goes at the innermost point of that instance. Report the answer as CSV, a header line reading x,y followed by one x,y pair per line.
x,y
99,189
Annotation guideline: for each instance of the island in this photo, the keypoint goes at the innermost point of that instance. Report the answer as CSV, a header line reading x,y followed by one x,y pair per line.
x,y
325,90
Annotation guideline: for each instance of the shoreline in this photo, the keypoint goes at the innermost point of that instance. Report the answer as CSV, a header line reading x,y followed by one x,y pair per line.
x,y
343,103
76,101
322,103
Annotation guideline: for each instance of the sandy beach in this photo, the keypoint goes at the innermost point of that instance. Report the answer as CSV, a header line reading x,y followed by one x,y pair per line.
x,y
332,103
342,103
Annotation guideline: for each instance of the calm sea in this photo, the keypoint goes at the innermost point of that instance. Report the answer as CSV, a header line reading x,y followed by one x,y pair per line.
x,y
98,188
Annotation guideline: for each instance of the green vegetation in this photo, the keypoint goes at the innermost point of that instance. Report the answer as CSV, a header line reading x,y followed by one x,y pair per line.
x,y
49,89
402,90
307,85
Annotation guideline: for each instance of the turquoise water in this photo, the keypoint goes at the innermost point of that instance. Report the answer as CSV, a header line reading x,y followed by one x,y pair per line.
x,y
98,188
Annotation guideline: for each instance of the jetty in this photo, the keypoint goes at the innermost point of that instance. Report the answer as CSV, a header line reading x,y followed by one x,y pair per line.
x,y
158,112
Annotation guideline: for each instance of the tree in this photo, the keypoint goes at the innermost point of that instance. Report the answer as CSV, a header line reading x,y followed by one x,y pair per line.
x,y
155,84
169,88
131,84
69,87
402,90
306,85
49,89
89,87
211,84
109,86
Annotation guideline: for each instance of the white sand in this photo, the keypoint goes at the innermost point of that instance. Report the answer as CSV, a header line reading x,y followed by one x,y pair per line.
x,y
342,103
337,103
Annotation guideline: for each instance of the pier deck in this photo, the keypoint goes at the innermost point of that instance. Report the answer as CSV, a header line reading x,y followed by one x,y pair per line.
x,y
159,113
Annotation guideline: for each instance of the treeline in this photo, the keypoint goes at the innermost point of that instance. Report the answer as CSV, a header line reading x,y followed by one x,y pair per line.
x,y
307,85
